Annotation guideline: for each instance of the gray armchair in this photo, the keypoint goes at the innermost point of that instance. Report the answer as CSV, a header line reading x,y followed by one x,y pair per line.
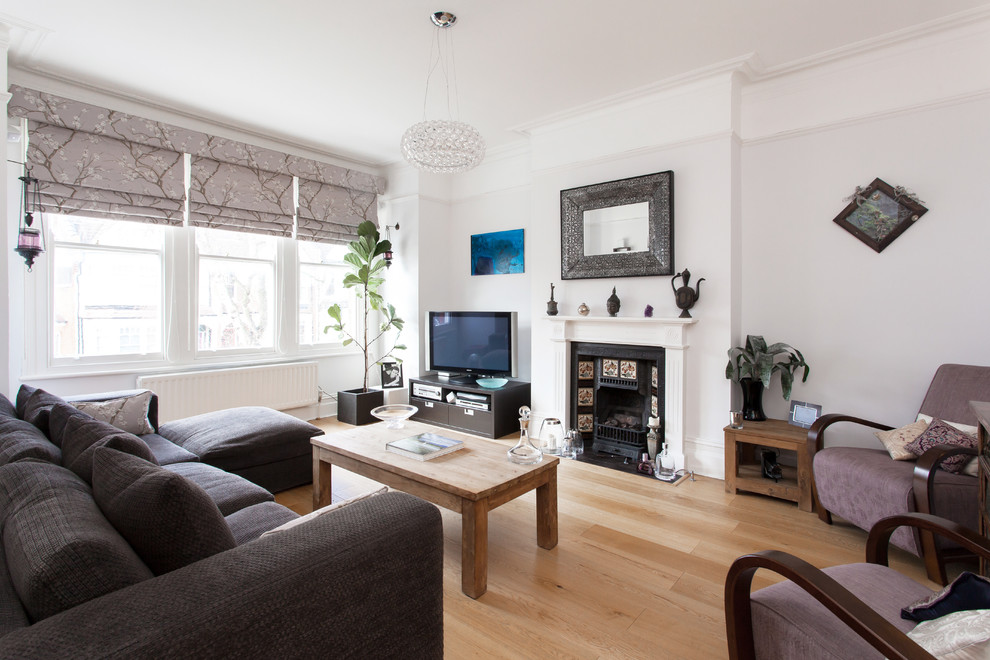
x,y
850,611
865,485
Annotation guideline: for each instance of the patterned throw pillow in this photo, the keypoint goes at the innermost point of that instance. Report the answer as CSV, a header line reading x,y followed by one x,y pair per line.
x,y
129,413
957,636
969,591
896,440
940,433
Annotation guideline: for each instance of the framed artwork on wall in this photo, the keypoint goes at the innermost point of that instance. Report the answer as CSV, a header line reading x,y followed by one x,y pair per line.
x,y
498,253
879,213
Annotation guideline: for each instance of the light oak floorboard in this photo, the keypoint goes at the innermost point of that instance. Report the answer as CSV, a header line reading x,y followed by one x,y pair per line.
x,y
637,573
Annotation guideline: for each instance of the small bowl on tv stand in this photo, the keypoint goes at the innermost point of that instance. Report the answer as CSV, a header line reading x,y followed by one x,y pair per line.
x,y
492,383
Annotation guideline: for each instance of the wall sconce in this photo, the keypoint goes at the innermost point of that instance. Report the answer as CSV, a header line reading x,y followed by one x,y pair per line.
x,y
388,237
30,239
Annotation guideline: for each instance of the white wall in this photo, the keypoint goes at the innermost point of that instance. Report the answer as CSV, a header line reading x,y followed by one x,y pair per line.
x,y
872,326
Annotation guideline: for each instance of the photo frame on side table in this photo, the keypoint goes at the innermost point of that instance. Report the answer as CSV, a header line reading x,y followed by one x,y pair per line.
x,y
803,414
391,375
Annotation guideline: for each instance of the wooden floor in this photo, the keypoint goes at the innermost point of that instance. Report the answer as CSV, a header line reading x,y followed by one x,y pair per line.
x,y
638,571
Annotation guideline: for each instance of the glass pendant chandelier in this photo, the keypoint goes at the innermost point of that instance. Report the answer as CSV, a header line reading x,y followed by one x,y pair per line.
x,y
443,146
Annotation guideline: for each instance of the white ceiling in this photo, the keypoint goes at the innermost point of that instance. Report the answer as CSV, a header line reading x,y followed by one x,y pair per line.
x,y
349,78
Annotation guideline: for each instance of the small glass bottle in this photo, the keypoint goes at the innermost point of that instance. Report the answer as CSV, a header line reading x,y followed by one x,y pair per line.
x,y
524,452
645,465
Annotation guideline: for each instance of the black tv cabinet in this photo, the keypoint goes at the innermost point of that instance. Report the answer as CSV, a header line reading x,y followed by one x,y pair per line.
x,y
501,418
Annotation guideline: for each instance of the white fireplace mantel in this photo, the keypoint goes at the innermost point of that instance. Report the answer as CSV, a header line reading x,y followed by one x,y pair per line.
x,y
668,333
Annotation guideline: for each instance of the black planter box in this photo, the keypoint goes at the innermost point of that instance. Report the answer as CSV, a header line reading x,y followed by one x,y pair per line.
x,y
354,406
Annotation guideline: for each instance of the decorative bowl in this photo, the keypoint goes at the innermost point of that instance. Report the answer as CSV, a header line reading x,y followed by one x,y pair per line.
x,y
492,383
393,414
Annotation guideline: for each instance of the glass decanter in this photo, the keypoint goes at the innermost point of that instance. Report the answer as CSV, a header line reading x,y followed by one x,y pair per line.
x,y
524,452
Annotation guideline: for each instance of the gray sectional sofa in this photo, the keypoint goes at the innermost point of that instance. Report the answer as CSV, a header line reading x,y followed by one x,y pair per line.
x,y
119,545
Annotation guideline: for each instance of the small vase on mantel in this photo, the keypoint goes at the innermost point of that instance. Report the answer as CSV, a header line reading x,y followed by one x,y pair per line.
x,y
752,391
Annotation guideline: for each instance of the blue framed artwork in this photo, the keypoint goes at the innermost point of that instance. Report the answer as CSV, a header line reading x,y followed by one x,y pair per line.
x,y
498,253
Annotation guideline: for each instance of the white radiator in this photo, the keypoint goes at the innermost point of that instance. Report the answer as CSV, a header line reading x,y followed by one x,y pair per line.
x,y
278,386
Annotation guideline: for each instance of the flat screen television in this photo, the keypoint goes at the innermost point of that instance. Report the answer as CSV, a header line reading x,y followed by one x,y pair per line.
x,y
467,345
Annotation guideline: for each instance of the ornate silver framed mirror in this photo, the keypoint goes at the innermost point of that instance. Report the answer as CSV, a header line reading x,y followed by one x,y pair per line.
x,y
621,228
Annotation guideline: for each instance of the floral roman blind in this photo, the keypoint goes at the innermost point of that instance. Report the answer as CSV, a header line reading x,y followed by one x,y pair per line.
x,y
108,163
100,162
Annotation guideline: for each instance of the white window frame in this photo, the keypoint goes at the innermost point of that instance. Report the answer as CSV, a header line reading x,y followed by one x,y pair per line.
x,y
180,264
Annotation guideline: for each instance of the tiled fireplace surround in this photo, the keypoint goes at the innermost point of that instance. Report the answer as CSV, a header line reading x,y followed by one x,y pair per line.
x,y
670,334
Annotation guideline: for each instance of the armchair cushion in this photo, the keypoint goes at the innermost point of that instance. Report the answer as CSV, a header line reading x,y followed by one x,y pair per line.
x,y
940,433
967,592
896,441
864,485
790,623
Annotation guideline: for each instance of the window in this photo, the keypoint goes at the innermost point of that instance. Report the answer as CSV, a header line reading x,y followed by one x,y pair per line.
x,y
321,276
95,311
236,304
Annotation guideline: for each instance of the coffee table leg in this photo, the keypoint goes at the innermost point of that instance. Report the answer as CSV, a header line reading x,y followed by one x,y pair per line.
x,y
546,512
321,481
474,548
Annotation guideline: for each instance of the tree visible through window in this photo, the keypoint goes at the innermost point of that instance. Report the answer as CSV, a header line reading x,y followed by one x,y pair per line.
x,y
236,290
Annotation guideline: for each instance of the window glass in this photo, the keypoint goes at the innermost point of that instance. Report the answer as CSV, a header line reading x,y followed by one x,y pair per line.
x,y
236,292
96,311
321,275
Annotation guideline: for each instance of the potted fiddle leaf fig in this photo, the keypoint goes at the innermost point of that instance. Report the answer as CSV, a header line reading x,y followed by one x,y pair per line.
x,y
754,365
366,261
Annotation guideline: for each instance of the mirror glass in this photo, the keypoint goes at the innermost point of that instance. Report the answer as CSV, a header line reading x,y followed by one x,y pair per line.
x,y
617,229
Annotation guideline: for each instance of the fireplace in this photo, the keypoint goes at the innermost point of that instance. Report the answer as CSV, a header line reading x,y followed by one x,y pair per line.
x,y
615,389
669,334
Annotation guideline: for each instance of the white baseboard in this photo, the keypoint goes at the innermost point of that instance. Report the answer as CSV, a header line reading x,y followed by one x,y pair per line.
x,y
705,458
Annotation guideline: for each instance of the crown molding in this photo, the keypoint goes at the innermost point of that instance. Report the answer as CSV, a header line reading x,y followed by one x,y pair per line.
x,y
929,28
748,65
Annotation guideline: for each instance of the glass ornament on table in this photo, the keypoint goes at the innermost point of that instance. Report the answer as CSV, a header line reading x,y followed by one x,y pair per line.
x,y
524,452
551,435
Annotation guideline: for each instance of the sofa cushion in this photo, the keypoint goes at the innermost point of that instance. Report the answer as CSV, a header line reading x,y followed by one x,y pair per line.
x,y
128,413
80,435
169,520
7,409
325,510
12,613
254,521
20,439
20,401
60,549
243,437
228,491
940,433
36,407
167,452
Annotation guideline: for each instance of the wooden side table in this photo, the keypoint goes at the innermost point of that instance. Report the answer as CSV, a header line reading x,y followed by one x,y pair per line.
x,y
743,470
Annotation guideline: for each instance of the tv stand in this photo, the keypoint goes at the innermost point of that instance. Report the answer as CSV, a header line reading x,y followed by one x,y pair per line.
x,y
497,416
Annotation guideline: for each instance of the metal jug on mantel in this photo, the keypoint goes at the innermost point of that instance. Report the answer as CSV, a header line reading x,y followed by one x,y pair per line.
x,y
551,435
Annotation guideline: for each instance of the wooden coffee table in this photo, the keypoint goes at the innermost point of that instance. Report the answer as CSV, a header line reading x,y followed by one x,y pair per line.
x,y
472,481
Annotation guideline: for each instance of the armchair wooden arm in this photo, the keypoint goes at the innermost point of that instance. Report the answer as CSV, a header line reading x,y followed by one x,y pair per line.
x,y
816,441
924,502
853,612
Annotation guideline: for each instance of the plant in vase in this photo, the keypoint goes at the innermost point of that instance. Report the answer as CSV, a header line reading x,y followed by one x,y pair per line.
x,y
754,365
366,261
